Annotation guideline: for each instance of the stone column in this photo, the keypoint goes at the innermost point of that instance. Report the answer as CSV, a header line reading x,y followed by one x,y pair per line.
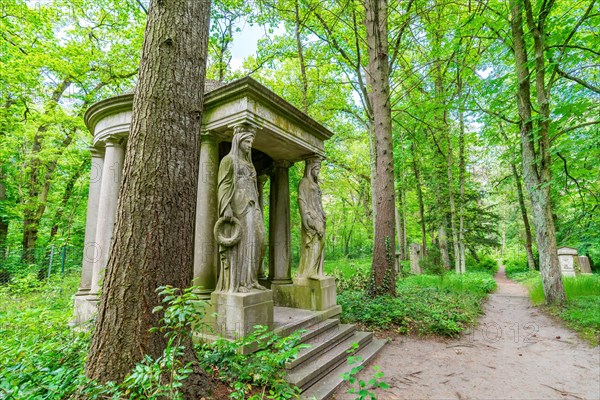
x,y
280,246
261,180
205,247
91,221
112,172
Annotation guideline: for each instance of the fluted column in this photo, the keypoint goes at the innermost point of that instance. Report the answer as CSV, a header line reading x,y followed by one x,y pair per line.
x,y
280,243
261,180
112,171
205,247
91,222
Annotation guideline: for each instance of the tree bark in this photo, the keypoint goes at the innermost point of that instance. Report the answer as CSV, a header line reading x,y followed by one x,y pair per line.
x,y
443,244
154,233
421,202
298,26
528,241
537,174
462,173
383,267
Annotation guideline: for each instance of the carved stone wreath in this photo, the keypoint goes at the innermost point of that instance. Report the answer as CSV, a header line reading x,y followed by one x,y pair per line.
x,y
236,234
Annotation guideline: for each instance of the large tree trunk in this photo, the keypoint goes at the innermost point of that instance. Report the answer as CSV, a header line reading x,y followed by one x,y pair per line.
x,y
154,233
383,267
537,176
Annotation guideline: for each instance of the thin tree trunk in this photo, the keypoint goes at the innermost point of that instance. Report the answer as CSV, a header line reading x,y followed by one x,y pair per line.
x,y
154,233
383,267
443,244
301,57
421,203
3,220
69,187
401,212
537,176
528,241
462,173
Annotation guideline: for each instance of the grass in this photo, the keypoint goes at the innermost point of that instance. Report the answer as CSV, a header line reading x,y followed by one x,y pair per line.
x,y
347,267
582,309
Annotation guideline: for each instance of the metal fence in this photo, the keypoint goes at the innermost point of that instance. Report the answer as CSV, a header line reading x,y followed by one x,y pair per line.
x,y
43,261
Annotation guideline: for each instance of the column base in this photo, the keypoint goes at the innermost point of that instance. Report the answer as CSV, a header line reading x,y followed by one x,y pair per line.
x,y
86,307
315,294
238,313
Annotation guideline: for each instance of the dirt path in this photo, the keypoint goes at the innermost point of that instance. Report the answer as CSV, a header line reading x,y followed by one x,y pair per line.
x,y
516,353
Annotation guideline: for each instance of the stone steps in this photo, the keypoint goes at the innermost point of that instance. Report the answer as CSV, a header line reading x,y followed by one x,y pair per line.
x,y
318,369
326,387
321,342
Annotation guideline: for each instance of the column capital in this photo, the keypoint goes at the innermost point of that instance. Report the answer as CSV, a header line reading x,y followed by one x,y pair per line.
x,y
207,136
113,142
282,164
96,152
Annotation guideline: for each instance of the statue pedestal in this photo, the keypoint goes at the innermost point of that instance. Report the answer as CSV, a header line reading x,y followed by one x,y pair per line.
x,y
237,313
315,294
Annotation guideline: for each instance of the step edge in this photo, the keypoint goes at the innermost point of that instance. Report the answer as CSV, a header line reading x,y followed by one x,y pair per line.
x,y
335,375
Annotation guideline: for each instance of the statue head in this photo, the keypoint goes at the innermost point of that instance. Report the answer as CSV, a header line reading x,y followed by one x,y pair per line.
x,y
313,167
243,137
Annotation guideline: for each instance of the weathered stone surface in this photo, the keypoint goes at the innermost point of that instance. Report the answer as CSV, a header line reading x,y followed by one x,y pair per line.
x,y
238,313
584,265
568,260
240,230
315,293
416,254
312,250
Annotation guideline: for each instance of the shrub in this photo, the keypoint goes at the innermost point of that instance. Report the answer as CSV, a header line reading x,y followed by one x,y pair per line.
x,y
263,369
357,281
485,264
515,265
425,304
432,262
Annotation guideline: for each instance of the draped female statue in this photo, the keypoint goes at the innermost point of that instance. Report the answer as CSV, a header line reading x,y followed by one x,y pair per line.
x,y
240,229
312,253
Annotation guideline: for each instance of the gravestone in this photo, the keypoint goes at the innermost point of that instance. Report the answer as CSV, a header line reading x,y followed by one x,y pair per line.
x,y
416,254
584,265
568,259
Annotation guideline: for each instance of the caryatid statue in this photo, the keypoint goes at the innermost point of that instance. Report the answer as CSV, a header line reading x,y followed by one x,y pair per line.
x,y
312,253
239,231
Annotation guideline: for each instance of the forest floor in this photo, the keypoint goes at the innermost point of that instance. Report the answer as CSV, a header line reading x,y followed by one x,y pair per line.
x,y
516,352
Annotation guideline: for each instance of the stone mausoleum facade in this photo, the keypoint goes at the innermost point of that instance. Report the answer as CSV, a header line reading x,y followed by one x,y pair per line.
x,y
283,135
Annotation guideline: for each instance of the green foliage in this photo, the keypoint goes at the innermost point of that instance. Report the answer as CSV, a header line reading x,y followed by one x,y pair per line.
x,y
40,356
516,266
485,264
363,389
432,262
425,304
263,369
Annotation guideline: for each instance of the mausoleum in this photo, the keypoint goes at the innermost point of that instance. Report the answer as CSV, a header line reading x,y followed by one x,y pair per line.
x,y
249,135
